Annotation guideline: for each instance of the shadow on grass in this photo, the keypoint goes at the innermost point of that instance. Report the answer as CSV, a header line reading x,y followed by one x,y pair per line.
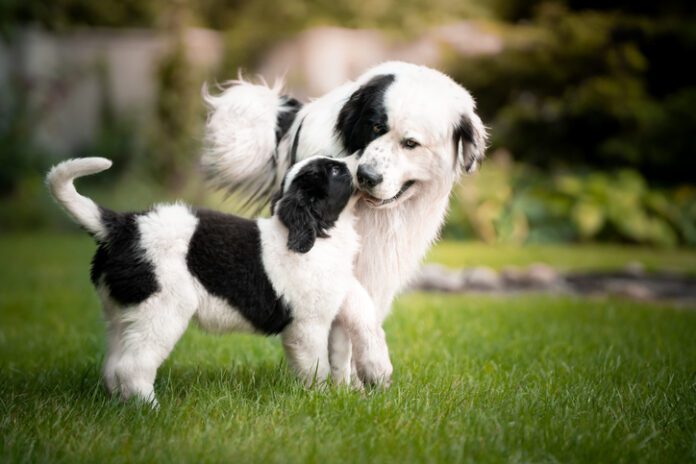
x,y
80,385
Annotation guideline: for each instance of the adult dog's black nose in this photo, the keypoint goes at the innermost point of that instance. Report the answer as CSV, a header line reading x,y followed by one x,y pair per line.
x,y
368,177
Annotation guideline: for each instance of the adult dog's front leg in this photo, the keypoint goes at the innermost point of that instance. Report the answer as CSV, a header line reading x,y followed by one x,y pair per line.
x,y
340,349
306,347
370,351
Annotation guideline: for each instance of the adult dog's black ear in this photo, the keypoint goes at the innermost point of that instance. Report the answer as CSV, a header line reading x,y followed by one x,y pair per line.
x,y
470,138
294,211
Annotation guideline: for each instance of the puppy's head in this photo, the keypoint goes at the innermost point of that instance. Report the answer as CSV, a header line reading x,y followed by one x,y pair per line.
x,y
411,127
313,195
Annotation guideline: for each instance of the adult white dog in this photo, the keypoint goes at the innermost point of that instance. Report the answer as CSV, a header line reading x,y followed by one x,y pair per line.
x,y
414,131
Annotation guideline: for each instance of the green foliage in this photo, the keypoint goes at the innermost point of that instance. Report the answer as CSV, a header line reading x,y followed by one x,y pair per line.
x,y
19,155
519,204
588,88
174,137
253,26
63,15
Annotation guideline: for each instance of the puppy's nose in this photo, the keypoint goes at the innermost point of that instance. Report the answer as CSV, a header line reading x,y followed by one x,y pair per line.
x,y
368,177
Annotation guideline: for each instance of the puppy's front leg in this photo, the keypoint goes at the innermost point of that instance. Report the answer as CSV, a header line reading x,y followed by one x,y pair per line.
x,y
370,351
306,347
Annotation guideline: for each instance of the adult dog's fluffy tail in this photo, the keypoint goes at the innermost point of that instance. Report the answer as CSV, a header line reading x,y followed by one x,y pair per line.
x,y
246,122
82,209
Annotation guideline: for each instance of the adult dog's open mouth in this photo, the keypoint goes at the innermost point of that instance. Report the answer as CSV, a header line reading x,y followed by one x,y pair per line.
x,y
377,202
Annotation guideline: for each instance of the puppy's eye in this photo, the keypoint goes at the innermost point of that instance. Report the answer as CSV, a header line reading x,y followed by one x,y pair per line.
x,y
378,128
410,144
335,170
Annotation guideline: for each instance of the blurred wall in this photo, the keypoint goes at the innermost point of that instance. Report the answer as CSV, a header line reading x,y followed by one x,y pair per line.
x,y
319,59
70,77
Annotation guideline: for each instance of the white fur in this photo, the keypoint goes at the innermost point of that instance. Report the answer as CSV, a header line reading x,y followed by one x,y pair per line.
x,y
422,104
60,184
252,110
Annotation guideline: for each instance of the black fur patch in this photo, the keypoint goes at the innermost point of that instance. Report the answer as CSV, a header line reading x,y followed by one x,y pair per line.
x,y
314,201
287,116
464,135
120,260
295,143
363,118
225,256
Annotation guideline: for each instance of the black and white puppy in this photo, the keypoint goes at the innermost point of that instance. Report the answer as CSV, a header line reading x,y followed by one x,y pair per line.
x,y
156,270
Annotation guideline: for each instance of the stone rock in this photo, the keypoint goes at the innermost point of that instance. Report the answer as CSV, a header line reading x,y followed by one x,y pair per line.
x,y
543,275
481,278
631,290
513,276
439,278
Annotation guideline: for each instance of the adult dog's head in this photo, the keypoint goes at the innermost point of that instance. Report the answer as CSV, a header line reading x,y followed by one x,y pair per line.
x,y
311,198
410,126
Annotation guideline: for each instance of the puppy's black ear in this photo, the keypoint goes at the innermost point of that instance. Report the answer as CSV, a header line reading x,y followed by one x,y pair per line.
x,y
470,138
294,211
274,199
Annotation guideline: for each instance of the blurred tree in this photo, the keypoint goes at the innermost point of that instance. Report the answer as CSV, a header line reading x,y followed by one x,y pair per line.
x,y
174,138
60,15
592,88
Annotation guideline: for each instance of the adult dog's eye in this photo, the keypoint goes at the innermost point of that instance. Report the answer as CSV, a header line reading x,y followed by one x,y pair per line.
x,y
410,144
378,128
335,170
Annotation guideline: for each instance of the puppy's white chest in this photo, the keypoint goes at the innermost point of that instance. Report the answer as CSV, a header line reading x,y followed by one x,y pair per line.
x,y
316,281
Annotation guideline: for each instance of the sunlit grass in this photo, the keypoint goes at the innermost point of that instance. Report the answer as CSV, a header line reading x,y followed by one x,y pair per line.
x,y
529,378
566,257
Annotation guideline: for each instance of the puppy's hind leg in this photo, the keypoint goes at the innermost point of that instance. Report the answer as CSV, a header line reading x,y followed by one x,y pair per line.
x,y
150,331
306,347
114,329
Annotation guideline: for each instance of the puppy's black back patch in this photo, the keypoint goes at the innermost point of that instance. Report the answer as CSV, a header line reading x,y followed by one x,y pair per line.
x,y
121,261
225,256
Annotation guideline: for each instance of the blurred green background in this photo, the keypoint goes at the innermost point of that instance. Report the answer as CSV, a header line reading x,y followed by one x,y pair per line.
x,y
590,103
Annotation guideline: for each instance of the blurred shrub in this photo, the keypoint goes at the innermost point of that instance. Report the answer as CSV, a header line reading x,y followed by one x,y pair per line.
x,y
61,15
517,203
174,136
18,154
589,88
253,26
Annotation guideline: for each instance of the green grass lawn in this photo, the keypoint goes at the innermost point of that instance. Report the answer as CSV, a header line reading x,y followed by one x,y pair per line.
x,y
479,379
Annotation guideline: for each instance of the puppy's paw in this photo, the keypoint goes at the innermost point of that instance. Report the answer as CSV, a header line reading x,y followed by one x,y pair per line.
x,y
341,375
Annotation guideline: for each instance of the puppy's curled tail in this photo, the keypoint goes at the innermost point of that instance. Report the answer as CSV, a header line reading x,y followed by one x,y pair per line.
x,y
83,210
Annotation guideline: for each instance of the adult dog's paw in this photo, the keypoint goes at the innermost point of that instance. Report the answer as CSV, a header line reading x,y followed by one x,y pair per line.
x,y
374,366
375,371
